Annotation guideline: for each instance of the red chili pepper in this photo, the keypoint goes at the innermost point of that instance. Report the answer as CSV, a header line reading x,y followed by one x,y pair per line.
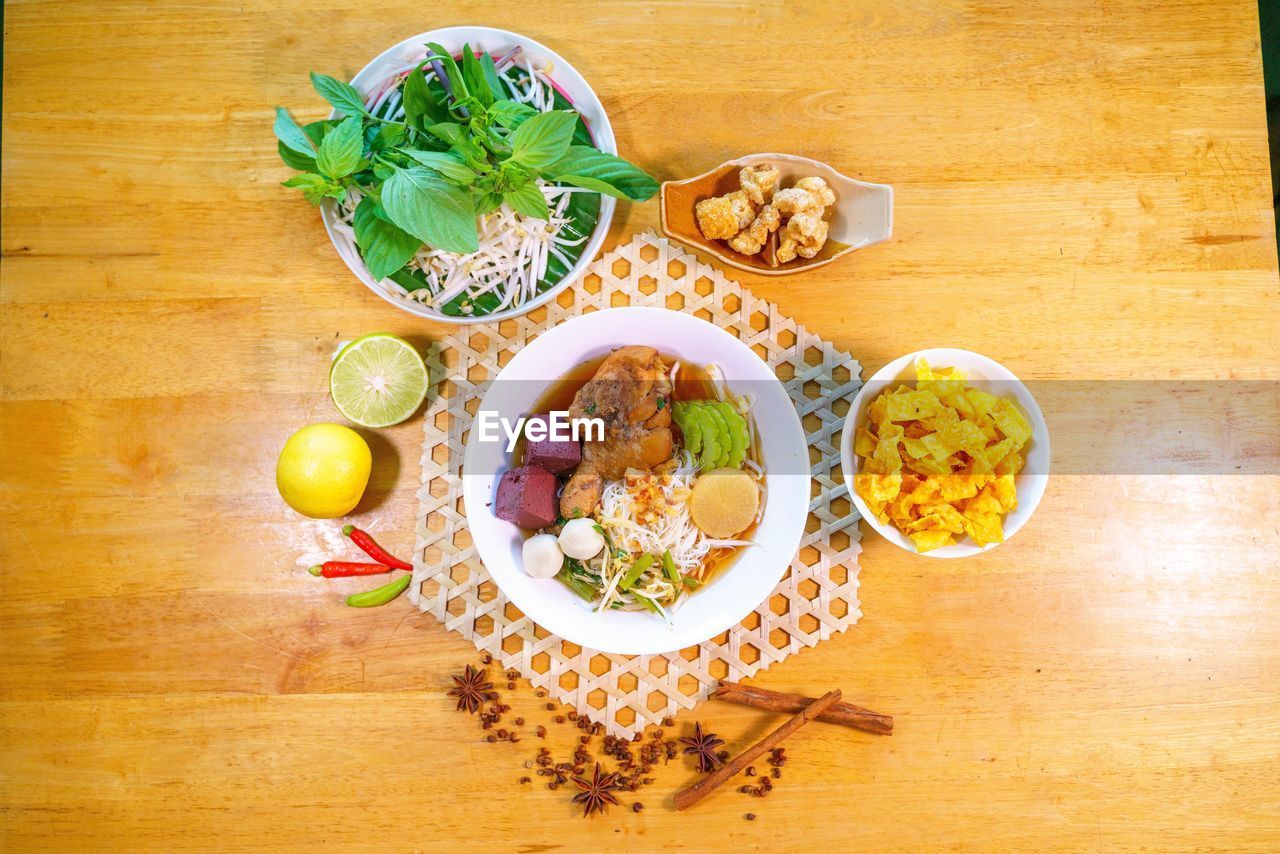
x,y
348,569
372,549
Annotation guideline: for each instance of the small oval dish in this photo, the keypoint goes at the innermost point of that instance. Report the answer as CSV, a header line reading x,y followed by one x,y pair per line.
x,y
861,216
985,374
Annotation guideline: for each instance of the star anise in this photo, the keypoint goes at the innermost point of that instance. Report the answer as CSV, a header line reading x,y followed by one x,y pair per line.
x,y
703,745
597,791
472,689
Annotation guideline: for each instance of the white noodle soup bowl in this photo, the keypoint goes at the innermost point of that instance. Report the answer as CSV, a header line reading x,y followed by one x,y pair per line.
x,y
737,589
982,373
571,84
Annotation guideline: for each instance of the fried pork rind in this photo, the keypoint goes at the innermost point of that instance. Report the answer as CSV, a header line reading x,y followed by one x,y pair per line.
x,y
751,239
759,182
820,188
787,249
794,200
722,217
716,219
809,230
938,460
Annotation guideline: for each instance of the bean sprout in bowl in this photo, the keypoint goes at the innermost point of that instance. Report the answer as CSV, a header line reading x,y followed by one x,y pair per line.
x,y
673,522
523,261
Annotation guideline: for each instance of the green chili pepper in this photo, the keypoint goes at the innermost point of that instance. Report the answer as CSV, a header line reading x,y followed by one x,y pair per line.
x,y
637,569
669,567
379,595
692,583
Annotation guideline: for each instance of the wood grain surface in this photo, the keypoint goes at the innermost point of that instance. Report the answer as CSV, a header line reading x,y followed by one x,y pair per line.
x,y
1082,192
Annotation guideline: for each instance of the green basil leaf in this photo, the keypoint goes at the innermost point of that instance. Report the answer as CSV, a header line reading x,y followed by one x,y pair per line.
x,y
385,247
477,85
451,70
288,132
314,187
420,105
387,136
448,165
491,77
294,160
431,209
344,96
451,132
488,203
315,132
527,199
543,139
592,169
511,114
340,150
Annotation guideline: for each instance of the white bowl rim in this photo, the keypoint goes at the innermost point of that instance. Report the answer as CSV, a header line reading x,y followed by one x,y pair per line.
x,y
602,134
638,633
1031,482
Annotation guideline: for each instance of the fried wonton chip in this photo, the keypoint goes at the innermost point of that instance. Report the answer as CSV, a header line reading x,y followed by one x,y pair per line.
x,y
912,405
864,444
938,460
927,541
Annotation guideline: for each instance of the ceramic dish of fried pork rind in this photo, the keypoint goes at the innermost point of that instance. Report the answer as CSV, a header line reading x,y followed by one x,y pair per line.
x,y
861,216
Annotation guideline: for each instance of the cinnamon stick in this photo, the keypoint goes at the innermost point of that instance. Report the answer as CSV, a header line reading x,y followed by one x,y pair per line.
x,y
845,714
712,781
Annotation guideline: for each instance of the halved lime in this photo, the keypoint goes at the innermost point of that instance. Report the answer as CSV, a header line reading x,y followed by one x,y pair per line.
x,y
378,380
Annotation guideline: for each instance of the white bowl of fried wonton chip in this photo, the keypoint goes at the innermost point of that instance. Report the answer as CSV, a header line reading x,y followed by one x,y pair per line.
x,y
736,590
981,373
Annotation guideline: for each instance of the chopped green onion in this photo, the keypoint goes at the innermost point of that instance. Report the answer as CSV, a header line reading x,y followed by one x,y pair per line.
x,y
576,584
692,583
637,569
648,604
669,567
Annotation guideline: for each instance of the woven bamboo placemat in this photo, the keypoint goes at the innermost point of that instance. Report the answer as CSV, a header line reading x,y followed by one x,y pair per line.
x,y
817,597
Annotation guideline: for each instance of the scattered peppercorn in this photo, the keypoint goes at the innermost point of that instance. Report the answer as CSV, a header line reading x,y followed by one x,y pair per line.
x,y
750,816
637,806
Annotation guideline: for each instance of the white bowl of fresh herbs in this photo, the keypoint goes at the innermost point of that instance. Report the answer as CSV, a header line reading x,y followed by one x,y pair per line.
x,y
467,174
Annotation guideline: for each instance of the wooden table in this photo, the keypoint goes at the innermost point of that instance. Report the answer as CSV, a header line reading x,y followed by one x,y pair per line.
x,y
1082,192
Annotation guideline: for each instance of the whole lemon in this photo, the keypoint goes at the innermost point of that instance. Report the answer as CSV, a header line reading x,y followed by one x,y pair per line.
x,y
323,470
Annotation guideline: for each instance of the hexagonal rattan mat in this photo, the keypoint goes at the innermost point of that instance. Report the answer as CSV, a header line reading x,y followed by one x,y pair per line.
x,y
817,597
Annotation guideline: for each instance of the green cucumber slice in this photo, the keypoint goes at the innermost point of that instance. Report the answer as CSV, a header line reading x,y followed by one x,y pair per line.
x,y
723,439
737,434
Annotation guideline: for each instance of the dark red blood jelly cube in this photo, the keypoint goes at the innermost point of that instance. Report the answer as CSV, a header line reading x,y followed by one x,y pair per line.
x,y
527,497
554,456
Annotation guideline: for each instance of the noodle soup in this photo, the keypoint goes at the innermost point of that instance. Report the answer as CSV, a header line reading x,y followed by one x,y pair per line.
x,y
667,500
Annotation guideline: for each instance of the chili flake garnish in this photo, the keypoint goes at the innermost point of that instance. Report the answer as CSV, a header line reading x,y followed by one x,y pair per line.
x,y
472,689
703,746
596,792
